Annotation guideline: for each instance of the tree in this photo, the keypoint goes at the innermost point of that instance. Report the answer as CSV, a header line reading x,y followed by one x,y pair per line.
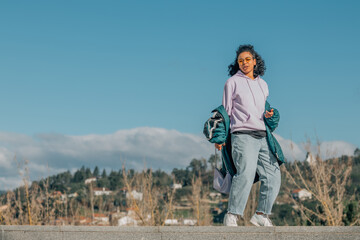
x,y
182,176
198,167
96,172
79,176
326,181
213,160
357,152
88,173
103,175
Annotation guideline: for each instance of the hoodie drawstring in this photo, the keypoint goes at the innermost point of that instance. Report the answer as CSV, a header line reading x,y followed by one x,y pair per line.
x,y
247,81
252,93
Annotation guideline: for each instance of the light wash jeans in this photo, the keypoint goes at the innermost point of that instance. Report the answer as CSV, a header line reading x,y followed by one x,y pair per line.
x,y
251,155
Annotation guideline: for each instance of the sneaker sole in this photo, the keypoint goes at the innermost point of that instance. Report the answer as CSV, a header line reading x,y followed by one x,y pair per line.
x,y
255,223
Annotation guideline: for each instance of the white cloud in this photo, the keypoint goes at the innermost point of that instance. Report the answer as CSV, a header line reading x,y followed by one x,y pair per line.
x,y
156,147
53,153
326,150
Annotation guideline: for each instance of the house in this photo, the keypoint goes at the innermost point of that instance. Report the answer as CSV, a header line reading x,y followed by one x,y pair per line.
x,y
83,221
171,222
215,195
101,191
130,220
176,186
134,194
90,180
189,222
101,218
72,195
301,194
127,221
58,195
310,159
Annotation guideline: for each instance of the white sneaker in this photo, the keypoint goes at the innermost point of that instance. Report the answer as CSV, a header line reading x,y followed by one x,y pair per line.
x,y
230,220
261,220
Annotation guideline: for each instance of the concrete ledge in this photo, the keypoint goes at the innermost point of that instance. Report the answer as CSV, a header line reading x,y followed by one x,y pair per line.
x,y
178,233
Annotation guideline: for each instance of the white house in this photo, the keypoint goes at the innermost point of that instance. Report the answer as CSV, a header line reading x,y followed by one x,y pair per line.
x,y
102,191
171,222
310,158
72,195
90,180
189,222
214,195
176,186
301,194
127,221
134,194
101,217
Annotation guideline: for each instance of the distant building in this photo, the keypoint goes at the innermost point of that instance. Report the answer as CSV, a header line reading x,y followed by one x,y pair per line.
x,y
58,195
83,220
176,186
134,194
310,158
189,222
127,221
101,191
215,195
99,217
90,180
72,195
171,222
301,194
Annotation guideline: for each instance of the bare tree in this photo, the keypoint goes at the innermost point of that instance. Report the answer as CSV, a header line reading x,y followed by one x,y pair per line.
x,y
200,203
326,181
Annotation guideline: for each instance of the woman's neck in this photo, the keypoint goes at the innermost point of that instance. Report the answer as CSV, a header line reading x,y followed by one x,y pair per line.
x,y
250,75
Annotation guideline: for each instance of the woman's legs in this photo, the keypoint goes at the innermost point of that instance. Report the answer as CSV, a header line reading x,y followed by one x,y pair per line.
x,y
251,155
245,154
270,178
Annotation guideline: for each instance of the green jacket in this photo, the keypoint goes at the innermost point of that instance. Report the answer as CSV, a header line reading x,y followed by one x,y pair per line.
x,y
217,130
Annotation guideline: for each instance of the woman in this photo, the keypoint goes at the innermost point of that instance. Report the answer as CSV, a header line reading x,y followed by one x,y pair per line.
x,y
244,98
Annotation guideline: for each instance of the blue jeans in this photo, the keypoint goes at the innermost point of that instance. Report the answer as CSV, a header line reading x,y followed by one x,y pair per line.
x,y
251,156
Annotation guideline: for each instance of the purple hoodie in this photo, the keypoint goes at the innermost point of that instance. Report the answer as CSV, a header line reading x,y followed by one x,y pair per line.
x,y
244,100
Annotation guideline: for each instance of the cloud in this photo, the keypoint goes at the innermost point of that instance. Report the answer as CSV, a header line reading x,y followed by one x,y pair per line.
x,y
297,151
156,148
52,153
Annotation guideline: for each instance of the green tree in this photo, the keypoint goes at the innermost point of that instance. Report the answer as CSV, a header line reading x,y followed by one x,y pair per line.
x,y
197,167
115,180
104,175
88,173
79,175
182,176
213,161
96,172
357,152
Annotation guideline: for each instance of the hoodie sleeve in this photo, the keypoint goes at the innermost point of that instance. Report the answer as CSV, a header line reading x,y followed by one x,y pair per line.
x,y
227,97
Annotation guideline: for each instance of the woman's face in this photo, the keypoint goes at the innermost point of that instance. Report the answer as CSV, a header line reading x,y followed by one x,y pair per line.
x,y
246,62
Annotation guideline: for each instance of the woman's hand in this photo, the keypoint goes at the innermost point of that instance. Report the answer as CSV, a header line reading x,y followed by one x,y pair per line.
x,y
269,114
219,146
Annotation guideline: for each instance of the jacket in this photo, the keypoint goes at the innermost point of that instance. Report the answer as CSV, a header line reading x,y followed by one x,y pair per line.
x,y
217,130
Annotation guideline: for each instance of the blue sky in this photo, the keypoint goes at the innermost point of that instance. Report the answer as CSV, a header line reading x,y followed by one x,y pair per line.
x,y
96,67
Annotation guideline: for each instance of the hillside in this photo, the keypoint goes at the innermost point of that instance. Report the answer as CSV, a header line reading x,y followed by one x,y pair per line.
x,y
184,197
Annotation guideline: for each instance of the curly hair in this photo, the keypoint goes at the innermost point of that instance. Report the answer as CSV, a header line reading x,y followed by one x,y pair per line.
x,y
259,68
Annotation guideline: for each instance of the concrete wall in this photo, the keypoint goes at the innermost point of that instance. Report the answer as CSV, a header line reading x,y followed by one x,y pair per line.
x,y
178,233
